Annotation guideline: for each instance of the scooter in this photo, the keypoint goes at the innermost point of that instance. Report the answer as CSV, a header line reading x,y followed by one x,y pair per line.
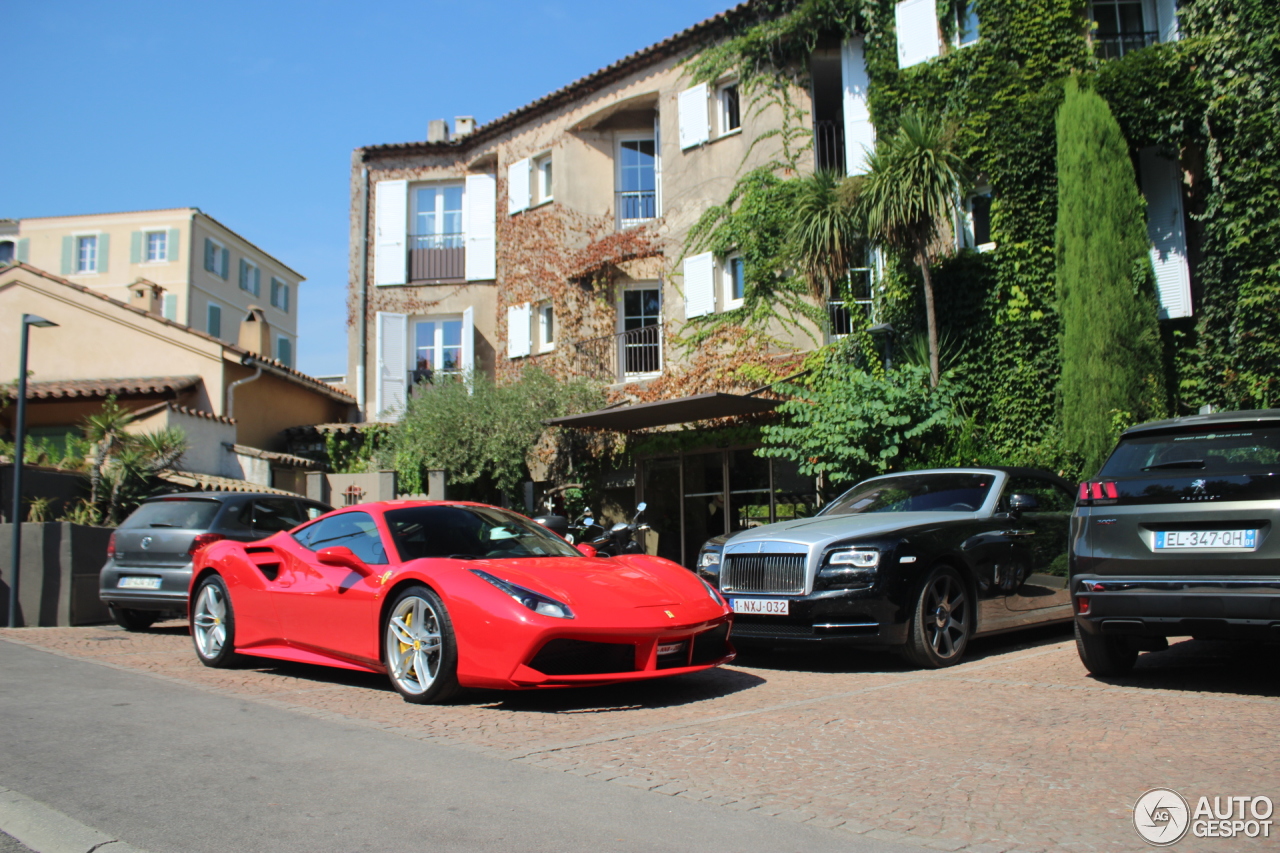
x,y
621,538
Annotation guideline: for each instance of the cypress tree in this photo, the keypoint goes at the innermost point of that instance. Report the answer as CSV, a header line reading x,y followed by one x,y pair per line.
x,y
1110,340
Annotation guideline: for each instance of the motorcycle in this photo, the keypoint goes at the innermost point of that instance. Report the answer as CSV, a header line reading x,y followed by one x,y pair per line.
x,y
619,539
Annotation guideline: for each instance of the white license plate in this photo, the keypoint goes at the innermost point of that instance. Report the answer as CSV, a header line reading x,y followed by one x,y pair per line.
x,y
669,648
1191,540
138,583
762,606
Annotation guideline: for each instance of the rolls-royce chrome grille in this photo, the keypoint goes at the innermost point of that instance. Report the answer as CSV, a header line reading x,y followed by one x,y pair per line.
x,y
771,573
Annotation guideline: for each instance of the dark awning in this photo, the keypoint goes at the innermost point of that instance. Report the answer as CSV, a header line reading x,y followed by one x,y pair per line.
x,y
681,410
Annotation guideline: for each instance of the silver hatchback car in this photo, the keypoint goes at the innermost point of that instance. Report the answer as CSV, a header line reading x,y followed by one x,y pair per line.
x,y
149,556
1179,535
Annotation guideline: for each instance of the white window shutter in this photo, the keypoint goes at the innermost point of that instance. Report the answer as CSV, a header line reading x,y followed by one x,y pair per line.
x,y
518,186
1165,227
859,132
518,342
695,129
1167,20
699,285
468,339
917,24
480,203
393,364
390,222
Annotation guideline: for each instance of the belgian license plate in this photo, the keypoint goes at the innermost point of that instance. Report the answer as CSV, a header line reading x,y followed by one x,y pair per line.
x,y
670,648
1191,540
761,606
128,582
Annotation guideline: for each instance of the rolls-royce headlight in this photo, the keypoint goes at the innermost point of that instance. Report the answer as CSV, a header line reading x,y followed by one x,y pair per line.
x,y
708,559
854,558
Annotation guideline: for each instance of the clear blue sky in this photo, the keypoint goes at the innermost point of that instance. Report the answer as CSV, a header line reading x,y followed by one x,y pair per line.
x,y
250,110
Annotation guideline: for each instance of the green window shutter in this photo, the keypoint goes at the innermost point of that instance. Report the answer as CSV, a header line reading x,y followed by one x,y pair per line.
x,y
24,250
170,309
135,247
172,248
275,293
68,255
284,352
284,298
244,274
257,282
209,265
226,264
215,321
104,251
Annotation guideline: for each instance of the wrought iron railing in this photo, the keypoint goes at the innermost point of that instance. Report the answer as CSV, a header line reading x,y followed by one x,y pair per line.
x,y
828,146
1116,45
623,356
436,257
635,207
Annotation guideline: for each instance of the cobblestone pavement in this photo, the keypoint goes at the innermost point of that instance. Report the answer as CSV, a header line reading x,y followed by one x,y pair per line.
x,y
1016,749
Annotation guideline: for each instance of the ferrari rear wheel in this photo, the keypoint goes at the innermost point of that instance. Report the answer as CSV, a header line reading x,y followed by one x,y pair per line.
x,y
213,624
421,652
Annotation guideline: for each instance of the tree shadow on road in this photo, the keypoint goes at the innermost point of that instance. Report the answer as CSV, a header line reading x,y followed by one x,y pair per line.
x,y
1208,666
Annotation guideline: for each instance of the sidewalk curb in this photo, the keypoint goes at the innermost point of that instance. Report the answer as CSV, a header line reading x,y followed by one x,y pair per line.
x,y
47,830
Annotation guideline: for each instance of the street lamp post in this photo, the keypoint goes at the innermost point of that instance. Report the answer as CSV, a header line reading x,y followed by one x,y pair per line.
x,y
19,436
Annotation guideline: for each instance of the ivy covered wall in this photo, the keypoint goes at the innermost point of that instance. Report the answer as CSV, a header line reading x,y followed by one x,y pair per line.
x,y
1209,98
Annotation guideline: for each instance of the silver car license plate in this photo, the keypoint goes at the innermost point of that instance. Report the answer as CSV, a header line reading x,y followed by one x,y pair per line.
x,y
130,582
1194,540
761,606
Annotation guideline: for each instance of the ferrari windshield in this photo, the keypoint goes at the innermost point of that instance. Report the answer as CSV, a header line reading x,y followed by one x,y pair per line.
x,y
471,533
939,492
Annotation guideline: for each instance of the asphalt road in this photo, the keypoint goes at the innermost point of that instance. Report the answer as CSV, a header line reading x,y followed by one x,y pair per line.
x,y
166,767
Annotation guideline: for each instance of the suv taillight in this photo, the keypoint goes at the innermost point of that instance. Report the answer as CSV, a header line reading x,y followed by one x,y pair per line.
x,y
201,540
111,546
1097,490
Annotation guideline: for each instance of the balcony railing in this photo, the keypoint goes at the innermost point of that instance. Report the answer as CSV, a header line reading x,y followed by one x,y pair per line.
x,y
623,356
1116,45
437,257
635,207
844,317
828,146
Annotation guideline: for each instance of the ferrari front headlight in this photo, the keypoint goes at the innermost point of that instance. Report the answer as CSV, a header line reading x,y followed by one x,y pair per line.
x,y
535,601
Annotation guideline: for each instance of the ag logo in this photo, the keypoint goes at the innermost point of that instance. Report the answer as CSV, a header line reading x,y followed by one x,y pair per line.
x,y
1161,817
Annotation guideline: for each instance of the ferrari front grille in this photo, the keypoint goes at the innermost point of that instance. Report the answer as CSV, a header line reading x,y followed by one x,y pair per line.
x,y
583,657
767,573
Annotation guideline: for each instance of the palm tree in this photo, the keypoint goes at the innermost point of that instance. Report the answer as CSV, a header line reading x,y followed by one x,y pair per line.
x,y
909,195
825,231
106,433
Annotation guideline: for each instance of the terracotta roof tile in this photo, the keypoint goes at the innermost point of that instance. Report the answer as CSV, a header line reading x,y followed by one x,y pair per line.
x,y
97,388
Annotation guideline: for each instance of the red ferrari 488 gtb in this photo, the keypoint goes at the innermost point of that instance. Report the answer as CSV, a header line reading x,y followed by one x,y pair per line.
x,y
447,595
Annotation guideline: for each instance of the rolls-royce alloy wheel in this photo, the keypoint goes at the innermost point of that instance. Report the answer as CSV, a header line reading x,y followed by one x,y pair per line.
x,y
941,622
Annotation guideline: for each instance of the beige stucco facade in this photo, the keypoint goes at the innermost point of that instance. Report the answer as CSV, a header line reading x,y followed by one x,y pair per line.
x,y
109,344
171,248
573,249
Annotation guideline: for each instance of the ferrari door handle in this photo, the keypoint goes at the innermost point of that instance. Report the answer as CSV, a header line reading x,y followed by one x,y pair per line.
x,y
1019,533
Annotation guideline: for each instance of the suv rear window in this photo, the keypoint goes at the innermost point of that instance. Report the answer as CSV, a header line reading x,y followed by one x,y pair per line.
x,y
182,513
1222,449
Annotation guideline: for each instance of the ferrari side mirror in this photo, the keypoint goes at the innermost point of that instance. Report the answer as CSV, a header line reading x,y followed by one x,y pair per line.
x,y
340,555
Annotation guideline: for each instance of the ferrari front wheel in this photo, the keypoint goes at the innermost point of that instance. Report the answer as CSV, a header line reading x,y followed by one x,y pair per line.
x,y
421,652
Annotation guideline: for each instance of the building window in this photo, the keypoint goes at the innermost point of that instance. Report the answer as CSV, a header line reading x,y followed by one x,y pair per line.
x,y
284,351
437,348
157,246
279,295
730,111
87,254
637,199
6,251
250,278
977,225
641,321
735,286
215,320
542,179
217,259
546,327
1120,27
437,217
851,303
966,24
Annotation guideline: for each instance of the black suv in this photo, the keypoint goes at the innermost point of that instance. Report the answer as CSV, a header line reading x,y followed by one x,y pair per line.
x,y
149,556
1173,538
